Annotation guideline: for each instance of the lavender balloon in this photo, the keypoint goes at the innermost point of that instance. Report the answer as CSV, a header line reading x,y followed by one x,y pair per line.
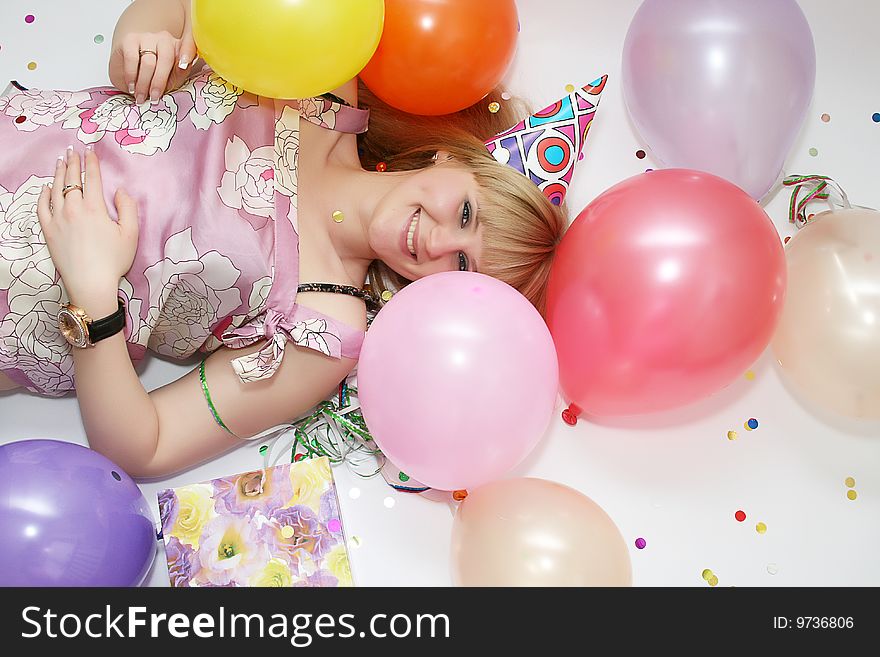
x,y
718,85
70,517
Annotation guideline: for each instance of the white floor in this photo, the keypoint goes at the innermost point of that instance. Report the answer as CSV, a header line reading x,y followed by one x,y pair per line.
x,y
674,478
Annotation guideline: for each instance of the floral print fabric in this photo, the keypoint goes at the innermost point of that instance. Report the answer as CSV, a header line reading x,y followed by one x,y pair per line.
x,y
276,527
213,169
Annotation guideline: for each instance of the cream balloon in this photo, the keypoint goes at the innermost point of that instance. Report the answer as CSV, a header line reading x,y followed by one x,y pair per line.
x,y
533,532
828,339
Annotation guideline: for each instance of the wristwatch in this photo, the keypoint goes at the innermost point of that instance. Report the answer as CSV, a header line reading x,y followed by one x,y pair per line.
x,y
82,331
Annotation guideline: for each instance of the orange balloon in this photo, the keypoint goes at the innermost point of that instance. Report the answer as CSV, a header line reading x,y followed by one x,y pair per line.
x,y
440,56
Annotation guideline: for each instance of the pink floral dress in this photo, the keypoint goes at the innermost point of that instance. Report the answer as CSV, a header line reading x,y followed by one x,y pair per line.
x,y
214,171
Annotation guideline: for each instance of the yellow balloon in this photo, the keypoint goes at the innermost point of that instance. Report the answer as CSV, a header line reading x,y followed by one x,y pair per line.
x,y
287,48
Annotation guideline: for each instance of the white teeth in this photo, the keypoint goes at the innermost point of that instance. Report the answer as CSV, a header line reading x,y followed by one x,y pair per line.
x,y
411,233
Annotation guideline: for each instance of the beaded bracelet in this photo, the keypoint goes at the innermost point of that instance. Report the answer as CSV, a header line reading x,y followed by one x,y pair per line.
x,y
208,399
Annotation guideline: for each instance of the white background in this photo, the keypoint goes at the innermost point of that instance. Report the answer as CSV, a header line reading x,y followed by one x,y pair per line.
x,y
672,478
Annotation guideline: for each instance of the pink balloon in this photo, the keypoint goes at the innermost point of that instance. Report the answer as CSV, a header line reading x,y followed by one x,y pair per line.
x,y
664,289
719,85
457,379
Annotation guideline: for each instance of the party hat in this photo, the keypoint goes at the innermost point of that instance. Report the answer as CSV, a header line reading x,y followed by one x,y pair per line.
x,y
546,145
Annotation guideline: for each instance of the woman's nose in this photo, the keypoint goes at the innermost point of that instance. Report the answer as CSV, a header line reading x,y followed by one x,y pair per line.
x,y
441,242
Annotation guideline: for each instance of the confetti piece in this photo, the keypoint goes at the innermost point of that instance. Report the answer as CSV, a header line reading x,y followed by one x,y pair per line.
x,y
338,216
850,482
752,424
29,19
731,435
386,295
32,66
826,118
772,568
355,542
750,376
459,495
389,502
641,154
287,531
707,574
99,38
403,477
761,528
713,581
851,494
876,117
263,449
354,493
505,95
569,88
494,107
740,515
814,152
334,526
641,543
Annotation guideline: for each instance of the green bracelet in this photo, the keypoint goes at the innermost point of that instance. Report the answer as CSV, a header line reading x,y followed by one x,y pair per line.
x,y
208,399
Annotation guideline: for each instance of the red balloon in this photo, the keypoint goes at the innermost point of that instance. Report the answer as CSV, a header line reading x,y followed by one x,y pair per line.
x,y
664,290
440,56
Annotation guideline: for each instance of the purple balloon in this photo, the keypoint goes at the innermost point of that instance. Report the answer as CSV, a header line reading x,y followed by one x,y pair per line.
x,y
719,85
70,517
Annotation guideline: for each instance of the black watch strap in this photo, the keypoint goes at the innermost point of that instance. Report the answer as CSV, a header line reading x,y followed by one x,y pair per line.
x,y
101,329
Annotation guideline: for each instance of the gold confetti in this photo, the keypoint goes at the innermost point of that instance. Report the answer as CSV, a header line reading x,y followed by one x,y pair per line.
x,y
746,426
32,66
851,494
494,107
761,528
850,482
569,88
338,217
713,581
355,541
386,295
750,376
707,574
287,531
731,435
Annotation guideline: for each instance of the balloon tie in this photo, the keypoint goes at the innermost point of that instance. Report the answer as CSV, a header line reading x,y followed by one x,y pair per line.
x,y
816,188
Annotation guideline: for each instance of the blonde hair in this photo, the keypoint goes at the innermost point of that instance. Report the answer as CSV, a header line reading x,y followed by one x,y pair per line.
x,y
521,227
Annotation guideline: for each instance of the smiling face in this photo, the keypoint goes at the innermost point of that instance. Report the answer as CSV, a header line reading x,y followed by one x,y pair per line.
x,y
429,223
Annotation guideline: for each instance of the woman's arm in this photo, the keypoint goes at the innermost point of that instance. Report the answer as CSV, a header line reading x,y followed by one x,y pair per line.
x,y
161,26
151,435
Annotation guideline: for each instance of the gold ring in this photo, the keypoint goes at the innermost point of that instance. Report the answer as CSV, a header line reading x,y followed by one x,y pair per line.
x,y
143,52
69,188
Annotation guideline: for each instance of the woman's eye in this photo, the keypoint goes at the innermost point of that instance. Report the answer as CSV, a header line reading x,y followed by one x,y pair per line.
x,y
466,214
463,264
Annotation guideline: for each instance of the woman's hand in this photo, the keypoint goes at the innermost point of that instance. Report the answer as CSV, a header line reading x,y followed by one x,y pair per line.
x,y
153,62
90,250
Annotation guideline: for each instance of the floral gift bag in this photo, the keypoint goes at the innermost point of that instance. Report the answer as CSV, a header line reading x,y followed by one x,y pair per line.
x,y
275,527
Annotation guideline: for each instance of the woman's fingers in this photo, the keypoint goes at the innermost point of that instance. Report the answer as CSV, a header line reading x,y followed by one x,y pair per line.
x,y
93,189
130,60
73,176
147,60
44,209
58,182
164,65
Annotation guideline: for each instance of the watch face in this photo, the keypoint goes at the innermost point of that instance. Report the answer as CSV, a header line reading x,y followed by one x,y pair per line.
x,y
72,328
